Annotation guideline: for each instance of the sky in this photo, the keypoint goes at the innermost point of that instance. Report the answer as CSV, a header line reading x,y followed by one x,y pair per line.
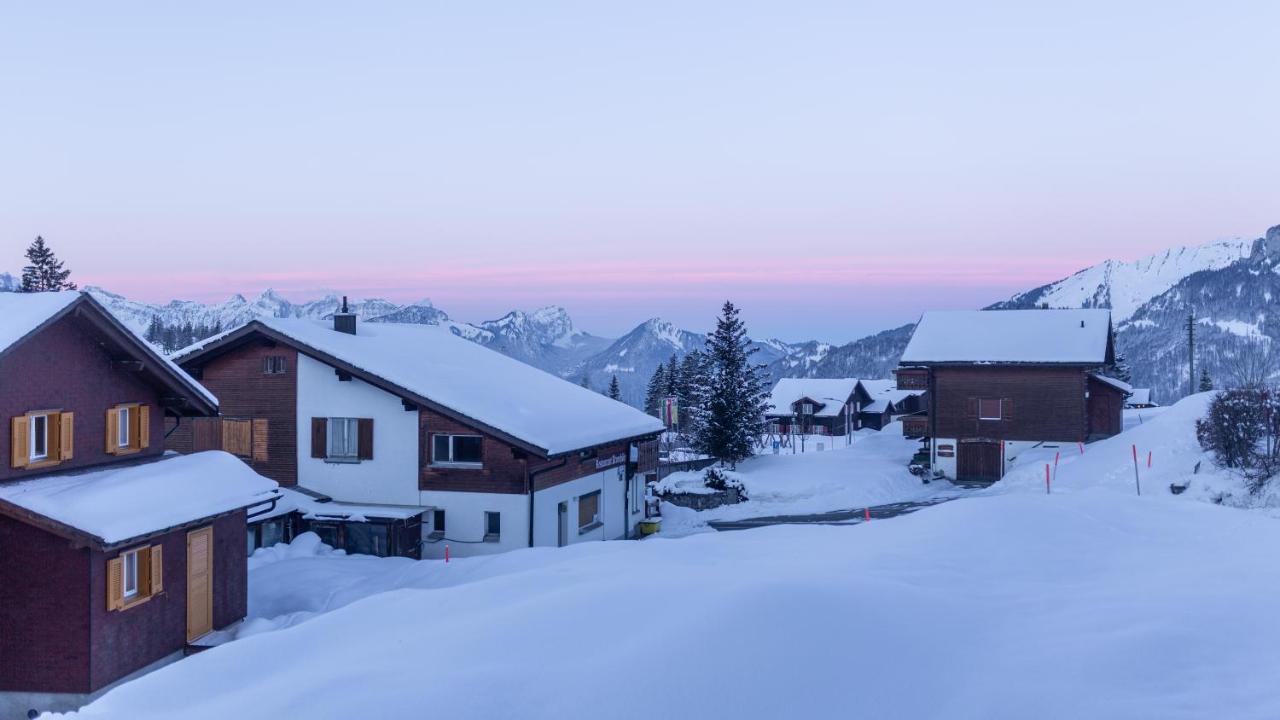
x,y
834,168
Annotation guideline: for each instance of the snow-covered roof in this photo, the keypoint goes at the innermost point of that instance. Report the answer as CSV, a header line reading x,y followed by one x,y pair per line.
x,y
20,313
324,508
1140,396
876,387
1010,336
1120,385
120,503
472,381
832,392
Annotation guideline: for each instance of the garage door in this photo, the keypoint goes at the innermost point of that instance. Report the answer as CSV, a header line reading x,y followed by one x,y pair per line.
x,y
978,461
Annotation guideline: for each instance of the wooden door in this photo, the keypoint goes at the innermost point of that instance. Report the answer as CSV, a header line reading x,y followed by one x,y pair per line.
x,y
978,462
199,583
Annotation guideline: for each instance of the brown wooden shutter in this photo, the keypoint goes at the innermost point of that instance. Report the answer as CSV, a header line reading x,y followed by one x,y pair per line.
x,y
53,438
66,435
115,583
260,433
144,426
113,430
364,447
144,573
319,429
157,569
18,441
237,437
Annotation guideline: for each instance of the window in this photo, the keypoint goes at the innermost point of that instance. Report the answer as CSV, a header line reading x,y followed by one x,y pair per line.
x,y
437,521
122,428
129,577
273,365
343,439
637,493
806,408
38,432
989,409
134,576
588,512
492,526
457,450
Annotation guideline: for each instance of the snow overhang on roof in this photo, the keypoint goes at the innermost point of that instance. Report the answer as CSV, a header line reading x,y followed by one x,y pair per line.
x,y
1048,337
429,365
832,393
119,504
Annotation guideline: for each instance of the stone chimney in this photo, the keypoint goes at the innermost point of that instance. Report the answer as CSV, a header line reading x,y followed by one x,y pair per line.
x,y
344,321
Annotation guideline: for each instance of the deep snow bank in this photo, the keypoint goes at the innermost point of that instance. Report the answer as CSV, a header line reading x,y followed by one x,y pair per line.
x,y
1086,604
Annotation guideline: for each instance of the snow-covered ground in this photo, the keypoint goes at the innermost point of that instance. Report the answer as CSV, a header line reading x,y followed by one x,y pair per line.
x,y
1010,603
870,471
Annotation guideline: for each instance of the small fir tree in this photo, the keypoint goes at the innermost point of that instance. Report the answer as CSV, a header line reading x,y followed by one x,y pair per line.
x,y
45,272
614,391
1206,382
733,396
654,393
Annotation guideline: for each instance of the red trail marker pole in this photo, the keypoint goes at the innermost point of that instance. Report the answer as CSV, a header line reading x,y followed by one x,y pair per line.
x,y
1056,456
446,553
866,514
1081,448
1046,479
1137,483
1148,459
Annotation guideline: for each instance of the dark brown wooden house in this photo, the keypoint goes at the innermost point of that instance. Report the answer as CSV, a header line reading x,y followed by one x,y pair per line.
x,y
113,556
999,382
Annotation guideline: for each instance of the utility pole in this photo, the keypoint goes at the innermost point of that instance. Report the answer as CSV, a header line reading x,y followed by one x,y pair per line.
x,y
1191,352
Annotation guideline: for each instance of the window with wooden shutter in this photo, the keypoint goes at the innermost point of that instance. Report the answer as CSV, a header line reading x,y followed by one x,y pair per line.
x,y
157,569
18,441
144,427
989,409
66,435
319,436
115,583
113,431
364,449
237,437
261,426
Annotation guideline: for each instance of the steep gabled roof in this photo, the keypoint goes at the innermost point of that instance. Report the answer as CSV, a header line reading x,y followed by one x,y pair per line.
x,y
831,392
24,315
431,366
1043,337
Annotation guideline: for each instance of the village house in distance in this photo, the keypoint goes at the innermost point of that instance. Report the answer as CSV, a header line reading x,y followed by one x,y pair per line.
x,y
115,556
406,439
1000,381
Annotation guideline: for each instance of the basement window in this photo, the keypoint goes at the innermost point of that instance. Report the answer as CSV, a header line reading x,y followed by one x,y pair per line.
x,y
492,526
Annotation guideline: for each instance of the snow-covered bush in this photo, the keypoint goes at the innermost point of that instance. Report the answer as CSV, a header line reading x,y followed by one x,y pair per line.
x,y
717,479
1242,430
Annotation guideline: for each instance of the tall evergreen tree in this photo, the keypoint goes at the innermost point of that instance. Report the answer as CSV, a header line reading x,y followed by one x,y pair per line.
x,y
733,396
1119,367
654,393
688,381
673,376
1206,383
45,272
155,331
615,392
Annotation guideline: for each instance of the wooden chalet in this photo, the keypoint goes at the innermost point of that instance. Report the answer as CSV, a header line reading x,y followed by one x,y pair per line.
x,y
998,382
404,439
815,406
115,556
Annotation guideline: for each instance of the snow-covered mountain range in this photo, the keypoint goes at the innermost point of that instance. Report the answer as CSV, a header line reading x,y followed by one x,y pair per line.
x,y
1231,285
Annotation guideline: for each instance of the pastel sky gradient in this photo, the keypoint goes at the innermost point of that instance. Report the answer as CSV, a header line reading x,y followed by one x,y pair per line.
x,y
833,167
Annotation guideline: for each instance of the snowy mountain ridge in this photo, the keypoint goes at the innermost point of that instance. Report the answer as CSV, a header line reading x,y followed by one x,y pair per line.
x,y
1126,286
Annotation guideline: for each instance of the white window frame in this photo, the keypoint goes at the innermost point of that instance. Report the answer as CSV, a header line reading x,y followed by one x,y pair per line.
x,y
350,428
488,536
129,574
31,437
806,408
999,408
450,462
122,428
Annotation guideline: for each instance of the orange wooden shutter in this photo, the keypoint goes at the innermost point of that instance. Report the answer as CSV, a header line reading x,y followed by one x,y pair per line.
x,y
115,583
66,435
144,426
157,569
18,441
113,431
260,430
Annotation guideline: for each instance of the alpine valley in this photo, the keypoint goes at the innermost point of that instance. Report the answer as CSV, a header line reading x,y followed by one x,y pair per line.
x,y
1231,287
